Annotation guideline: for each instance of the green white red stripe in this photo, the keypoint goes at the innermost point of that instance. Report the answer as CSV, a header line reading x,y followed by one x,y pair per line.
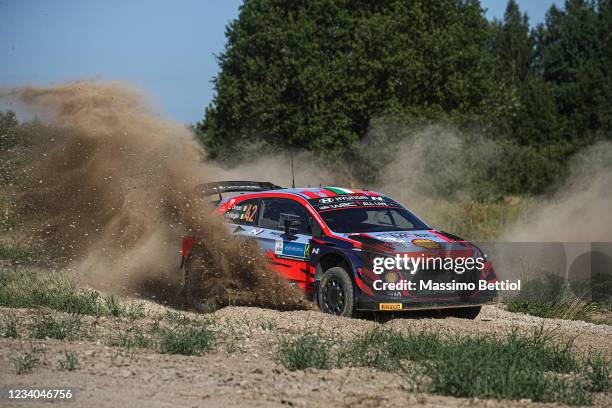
x,y
339,190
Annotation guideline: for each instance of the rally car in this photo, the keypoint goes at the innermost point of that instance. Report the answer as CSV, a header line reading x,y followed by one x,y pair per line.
x,y
340,245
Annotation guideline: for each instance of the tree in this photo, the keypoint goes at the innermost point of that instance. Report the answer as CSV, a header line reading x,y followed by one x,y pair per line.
x,y
312,74
513,45
534,117
574,55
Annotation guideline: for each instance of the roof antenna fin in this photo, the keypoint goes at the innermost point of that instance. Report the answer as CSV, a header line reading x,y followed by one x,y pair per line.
x,y
292,173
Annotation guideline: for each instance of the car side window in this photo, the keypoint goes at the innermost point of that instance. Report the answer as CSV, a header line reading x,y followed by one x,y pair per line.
x,y
244,213
276,210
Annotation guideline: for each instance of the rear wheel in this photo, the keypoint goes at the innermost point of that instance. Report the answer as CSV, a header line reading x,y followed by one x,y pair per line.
x,y
336,292
464,312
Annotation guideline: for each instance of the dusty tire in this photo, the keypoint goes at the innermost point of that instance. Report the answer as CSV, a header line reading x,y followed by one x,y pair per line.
x,y
465,312
336,292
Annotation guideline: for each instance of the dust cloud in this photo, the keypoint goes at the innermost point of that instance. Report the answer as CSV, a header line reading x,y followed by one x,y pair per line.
x,y
109,188
569,234
581,210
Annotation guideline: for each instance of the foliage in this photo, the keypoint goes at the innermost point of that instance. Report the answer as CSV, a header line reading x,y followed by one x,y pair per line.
x,y
312,74
319,75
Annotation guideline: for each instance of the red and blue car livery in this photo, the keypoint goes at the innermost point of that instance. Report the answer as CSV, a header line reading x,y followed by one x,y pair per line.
x,y
324,240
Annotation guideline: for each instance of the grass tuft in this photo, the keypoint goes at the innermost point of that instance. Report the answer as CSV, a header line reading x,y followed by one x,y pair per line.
x,y
24,363
113,306
70,361
550,297
305,351
55,327
131,336
599,373
9,327
185,339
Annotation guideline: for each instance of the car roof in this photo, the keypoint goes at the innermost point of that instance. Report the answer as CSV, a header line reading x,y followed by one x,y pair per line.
x,y
322,192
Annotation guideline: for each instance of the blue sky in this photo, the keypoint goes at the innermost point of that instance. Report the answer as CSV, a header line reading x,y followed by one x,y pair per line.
x,y
164,47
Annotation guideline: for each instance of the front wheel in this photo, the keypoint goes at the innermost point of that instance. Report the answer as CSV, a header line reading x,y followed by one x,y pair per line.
x,y
336,292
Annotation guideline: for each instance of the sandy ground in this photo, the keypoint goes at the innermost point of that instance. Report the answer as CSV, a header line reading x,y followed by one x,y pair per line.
x,y
243,369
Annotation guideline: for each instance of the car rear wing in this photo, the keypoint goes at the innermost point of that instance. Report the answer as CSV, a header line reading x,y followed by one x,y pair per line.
x,y
219,187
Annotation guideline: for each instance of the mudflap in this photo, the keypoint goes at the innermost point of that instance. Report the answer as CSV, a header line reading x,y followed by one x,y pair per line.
x,y
188,290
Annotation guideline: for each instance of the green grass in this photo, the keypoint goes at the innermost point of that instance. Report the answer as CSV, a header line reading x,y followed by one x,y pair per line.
x,y
25,289
10,327
70,362
551,297
25,362
599,374
535,367
131,336
21,254
177,335
57,327
307,350
184,337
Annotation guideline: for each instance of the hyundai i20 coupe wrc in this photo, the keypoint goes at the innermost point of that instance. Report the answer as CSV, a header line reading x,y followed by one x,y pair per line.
x,y
340,246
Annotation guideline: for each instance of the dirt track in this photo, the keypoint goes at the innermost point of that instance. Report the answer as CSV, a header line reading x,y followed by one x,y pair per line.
x,y
243,371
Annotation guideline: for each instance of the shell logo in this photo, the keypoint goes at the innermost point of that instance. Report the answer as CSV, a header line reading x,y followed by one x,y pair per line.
x,y
426,243
391,277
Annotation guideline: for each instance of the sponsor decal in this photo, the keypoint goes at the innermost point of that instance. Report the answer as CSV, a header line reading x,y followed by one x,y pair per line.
x,y
287,249
389,306
426,243
351,200
255,231
391,277
245,213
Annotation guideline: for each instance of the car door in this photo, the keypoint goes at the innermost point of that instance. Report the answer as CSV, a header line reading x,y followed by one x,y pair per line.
x,y
287,254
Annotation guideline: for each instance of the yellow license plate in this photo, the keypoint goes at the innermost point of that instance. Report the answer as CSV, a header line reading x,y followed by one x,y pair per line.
x,y
390,306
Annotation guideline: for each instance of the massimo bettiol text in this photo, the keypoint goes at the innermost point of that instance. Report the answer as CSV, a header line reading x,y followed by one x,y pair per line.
x,y
388,267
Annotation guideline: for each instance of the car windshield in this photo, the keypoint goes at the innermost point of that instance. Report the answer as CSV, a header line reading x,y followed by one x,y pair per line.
x,y
360,219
